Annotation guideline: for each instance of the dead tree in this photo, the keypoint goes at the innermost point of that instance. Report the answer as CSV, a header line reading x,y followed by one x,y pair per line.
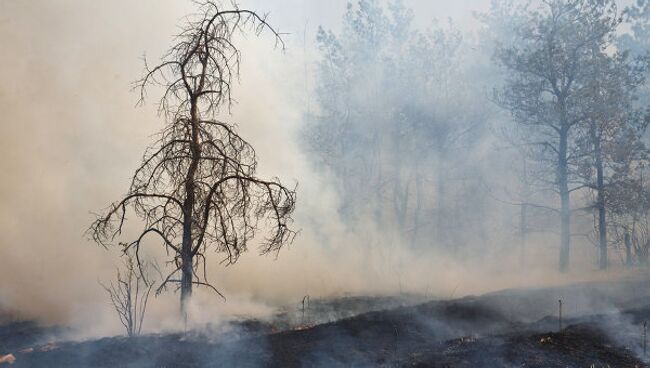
x,y
196,189
129,295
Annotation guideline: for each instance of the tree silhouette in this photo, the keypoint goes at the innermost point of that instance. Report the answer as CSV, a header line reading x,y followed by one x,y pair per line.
x,y
196,188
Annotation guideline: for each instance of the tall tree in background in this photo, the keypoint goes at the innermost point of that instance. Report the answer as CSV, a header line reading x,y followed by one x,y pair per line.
x,y
629,199
612,120
548,88
636,42
196,188
397,124
499,30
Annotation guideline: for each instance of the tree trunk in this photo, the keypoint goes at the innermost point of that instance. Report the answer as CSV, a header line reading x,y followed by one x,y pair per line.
x,y
523,233
565,211
186,265
418,208
440,193
187,255
523,217
600,188
643,253
628,250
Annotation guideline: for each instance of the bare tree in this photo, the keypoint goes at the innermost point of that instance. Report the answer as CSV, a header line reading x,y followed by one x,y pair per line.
x,y
196,188
129,295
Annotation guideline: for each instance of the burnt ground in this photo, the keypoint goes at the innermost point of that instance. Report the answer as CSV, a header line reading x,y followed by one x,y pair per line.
x,y
513,328
15,336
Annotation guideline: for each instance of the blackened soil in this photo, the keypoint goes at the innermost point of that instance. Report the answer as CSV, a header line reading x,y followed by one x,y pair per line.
x,y
19,335
489,331
576,346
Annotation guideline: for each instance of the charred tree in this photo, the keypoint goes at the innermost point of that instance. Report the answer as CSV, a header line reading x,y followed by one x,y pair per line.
x,y
196,189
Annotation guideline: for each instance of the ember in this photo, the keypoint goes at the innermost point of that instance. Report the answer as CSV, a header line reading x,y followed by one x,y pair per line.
x,y
7,359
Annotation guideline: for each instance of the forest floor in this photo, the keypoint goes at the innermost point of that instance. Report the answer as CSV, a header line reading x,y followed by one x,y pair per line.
x,y
602,327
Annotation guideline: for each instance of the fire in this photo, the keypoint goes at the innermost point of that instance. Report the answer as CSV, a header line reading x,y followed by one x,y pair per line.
x,y
49,347
302,327
7,359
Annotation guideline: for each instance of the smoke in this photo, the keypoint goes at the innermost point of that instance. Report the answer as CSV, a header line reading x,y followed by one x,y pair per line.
x,y
71,136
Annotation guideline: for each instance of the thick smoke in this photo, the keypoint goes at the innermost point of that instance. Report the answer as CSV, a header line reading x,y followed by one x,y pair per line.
x,y
71,136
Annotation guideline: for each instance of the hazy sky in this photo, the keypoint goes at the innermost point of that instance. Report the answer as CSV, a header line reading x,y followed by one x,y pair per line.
x,y
70,134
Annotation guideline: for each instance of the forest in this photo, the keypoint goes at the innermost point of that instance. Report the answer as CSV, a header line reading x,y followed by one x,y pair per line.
x,y
364,183
414,142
